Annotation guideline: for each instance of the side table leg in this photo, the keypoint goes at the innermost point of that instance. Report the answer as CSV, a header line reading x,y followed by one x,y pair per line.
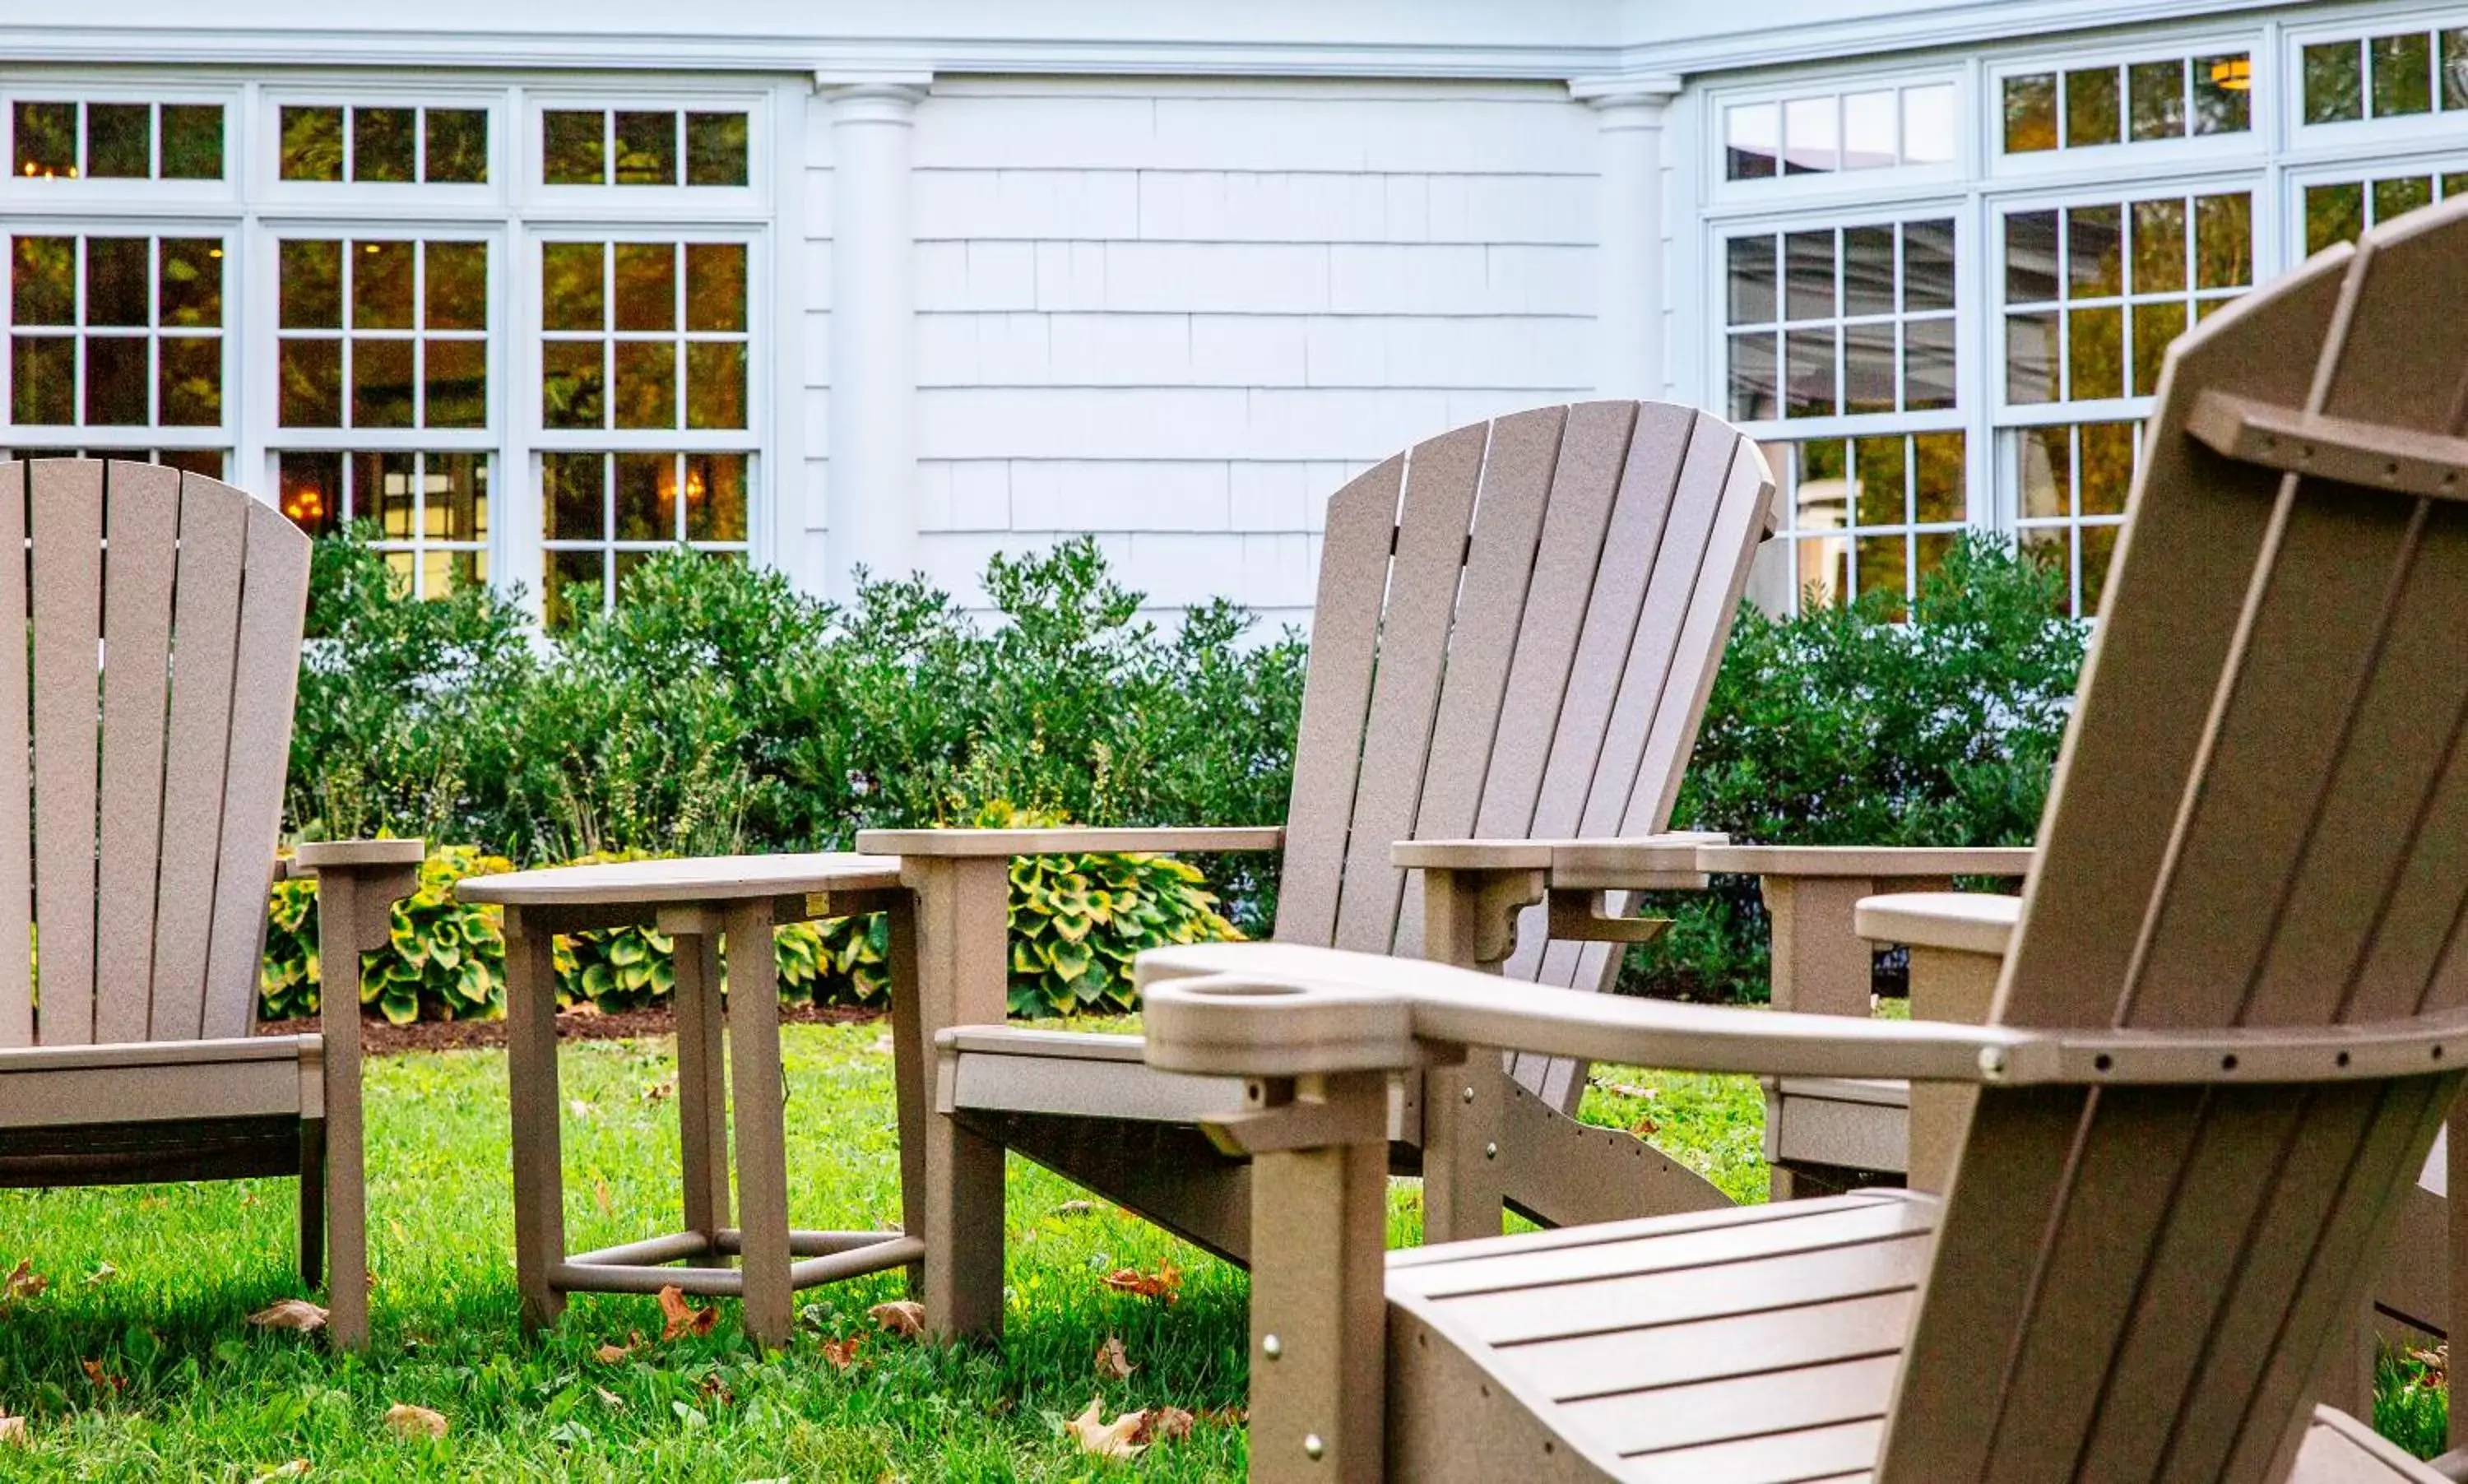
x,y
762,1122
530,1085
702,1086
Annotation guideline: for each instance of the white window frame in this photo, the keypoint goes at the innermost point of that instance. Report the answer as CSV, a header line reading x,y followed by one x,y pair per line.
x,y
1785,192
274,193
683,202
2128,156
137,197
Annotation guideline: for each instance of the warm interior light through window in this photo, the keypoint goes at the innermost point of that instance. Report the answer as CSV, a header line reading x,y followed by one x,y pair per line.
x,y
2233,73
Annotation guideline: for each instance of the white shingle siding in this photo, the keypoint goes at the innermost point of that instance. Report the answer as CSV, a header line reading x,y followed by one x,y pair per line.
x,y
1180,313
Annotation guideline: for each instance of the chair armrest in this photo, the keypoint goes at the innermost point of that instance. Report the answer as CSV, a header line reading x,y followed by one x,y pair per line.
x,y
316,858
1653,863
1283,1009
1871,862
1959,922
1064,840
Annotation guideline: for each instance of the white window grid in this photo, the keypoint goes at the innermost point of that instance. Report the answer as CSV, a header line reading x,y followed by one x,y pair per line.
x,y
1860,514
350,111
695,202
428,509
2071,481
167,346
2188,74
2145,318
2354,195
422,342
1830,330
161,127
693,504
1927,125
2394,70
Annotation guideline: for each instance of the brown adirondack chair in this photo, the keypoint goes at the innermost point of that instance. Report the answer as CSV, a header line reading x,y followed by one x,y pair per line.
x,y
140,796
2230,1026
1518,625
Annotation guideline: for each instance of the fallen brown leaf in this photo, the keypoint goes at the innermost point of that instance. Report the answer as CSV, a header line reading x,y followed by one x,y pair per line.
x,y
1075,1208
842,1352
609,1398
415,1422
682,1317
102,1379
1165,1424
1111,1361
659,1091
22,1281
1164,1283
13,1430
1226,1416
610,1355
289,1314
1622,1090
1645,1128
904,1317
601,1198
1107,1439
104,1272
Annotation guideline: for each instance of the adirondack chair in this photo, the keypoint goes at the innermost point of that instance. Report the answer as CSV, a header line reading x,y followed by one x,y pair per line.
x,y
1518,625
140,797
2228,1028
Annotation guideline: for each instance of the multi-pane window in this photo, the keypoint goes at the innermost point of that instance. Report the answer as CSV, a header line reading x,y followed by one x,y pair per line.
x,y
110,331
603,512
642,334
2340,211
1874,128
1840,321
74,140
1862,516
2129,102
2398,75
382,333
2094,293
393,145
630,147
430,509
2070,480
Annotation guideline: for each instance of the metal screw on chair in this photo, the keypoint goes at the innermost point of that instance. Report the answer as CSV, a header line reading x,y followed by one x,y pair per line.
x,y
1491,1152
1469,1094
1271,1346
1312,1447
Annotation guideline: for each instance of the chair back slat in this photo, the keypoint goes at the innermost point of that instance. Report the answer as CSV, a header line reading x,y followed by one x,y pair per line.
x,y
1432,524
142,524
150,742
1490,608
205,625
1690,597
67,521
2256,821
1354,543
274,596
16,780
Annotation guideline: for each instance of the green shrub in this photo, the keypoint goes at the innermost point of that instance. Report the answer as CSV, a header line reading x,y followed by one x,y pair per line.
x,y
1077,921
1843,727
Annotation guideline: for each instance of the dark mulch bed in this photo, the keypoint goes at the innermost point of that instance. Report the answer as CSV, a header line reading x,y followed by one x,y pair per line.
x,y
379,1037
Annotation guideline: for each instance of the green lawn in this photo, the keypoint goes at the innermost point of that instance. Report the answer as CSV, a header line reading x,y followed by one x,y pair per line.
x,y
153,1286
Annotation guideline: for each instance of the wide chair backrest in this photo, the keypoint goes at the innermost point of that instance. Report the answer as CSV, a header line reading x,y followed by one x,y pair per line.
x,y
143,754
2260,819
1518,623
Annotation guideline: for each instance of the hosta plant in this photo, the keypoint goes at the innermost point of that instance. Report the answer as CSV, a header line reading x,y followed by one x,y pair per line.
x,y
1077,921
444,960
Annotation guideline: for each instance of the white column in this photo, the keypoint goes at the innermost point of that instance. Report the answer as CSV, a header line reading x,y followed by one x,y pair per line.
x,y
1628,309
873,448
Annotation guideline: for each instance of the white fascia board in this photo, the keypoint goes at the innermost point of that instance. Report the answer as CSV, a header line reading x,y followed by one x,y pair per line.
x,y
1424,38
1658,37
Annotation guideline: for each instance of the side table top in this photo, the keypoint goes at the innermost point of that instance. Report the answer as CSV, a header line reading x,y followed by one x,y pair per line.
x,y
704,879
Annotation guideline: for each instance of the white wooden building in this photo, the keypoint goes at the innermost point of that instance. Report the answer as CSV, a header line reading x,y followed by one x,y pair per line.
x,y
903,283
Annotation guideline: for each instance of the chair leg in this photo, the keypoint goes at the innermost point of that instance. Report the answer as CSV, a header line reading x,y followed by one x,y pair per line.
x,y
1462,1130
703,1086
964,1230
347,1238
313,1202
